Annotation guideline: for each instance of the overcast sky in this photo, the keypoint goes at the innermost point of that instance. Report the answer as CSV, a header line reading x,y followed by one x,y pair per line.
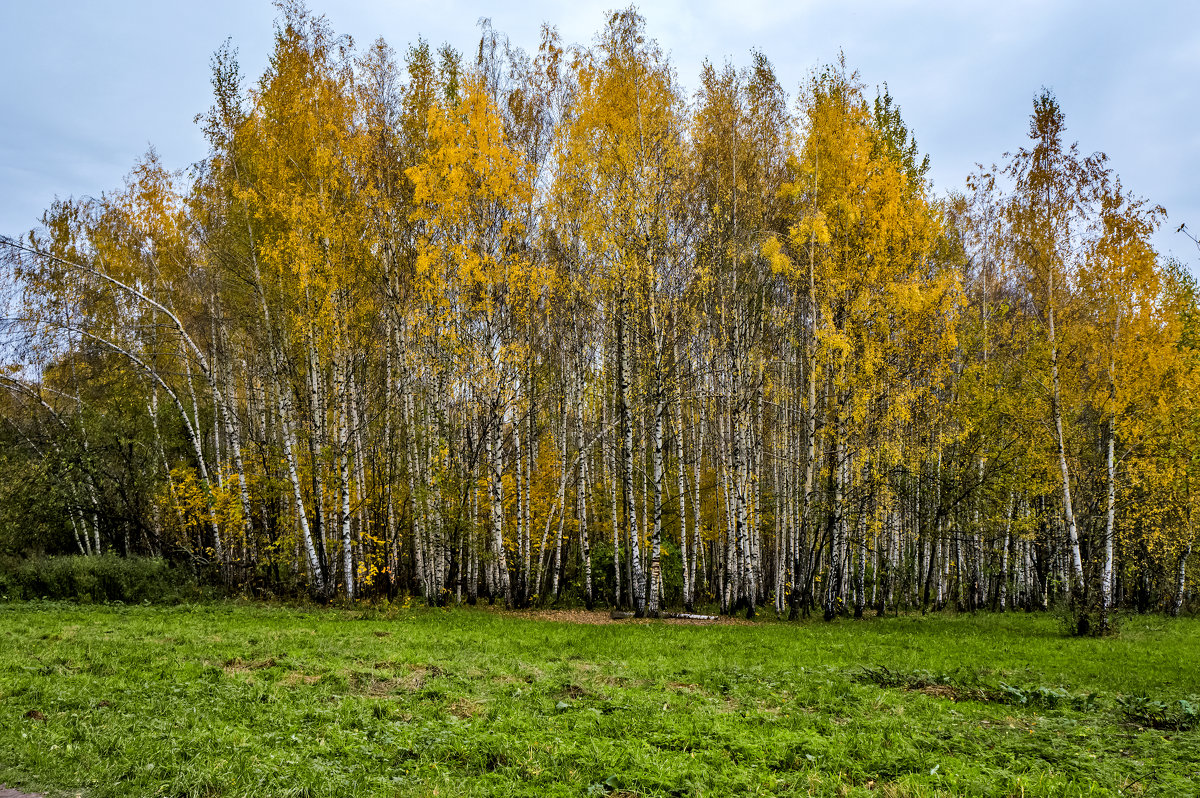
x,y
88,86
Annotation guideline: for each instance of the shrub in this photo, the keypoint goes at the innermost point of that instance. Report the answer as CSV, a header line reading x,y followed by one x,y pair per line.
x,y
94,580
1084,618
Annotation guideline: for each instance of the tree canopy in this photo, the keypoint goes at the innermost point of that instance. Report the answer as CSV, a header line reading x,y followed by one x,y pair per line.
x,y
540,327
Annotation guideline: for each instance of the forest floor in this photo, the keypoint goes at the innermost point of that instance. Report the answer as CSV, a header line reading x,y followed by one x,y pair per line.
x,y
235,699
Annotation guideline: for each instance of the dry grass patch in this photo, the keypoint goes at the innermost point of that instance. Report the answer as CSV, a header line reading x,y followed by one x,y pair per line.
x,y
683,687
465,708
377,688
939,691
295,677
239,665
614,680
417,676
574,692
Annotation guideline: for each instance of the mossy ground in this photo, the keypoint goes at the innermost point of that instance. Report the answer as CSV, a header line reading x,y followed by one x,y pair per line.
x,y
250,700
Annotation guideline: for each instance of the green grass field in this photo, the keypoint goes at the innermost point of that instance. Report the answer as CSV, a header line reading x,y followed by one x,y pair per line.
x,y
249,700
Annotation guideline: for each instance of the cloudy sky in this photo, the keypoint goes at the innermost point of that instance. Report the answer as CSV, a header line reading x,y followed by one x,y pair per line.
x,y
89,86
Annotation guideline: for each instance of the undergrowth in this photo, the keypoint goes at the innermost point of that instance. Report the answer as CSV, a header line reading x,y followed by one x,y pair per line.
x,y
96,580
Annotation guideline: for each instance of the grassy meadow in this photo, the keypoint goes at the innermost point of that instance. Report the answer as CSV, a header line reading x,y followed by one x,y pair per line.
x,y
233,699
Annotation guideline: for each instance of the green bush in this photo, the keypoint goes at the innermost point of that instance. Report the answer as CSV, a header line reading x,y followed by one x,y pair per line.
x,y
95,580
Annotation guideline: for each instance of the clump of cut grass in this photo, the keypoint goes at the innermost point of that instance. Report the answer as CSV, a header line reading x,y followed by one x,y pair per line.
x,y
971,687
1180,715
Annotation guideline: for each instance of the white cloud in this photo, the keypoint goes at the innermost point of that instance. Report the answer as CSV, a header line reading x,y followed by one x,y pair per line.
x,y
95,82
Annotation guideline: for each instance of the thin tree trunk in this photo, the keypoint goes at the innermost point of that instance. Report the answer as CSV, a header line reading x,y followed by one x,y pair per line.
x,y
1077,585
497,468
638,582
1180,581
1106,573
687,561
660,409
582,492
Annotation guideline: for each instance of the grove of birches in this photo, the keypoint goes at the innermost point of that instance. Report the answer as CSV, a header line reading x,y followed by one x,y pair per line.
x,y
545,327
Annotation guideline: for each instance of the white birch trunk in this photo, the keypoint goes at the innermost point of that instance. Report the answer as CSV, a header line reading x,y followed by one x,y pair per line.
x,y
638,582
497,464
687,561
1077,586
1106,573
1180,581
344,481
660,408
315,572
581,499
